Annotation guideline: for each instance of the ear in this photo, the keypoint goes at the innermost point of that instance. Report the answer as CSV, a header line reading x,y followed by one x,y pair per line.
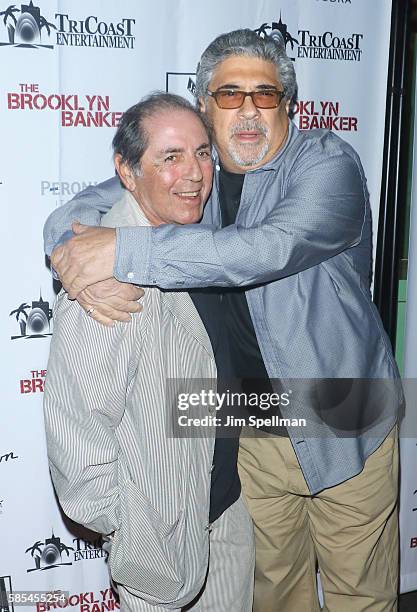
x,y
201,105
125,173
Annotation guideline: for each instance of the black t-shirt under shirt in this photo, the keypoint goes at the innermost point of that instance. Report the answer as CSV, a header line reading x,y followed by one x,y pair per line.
x,y
225,314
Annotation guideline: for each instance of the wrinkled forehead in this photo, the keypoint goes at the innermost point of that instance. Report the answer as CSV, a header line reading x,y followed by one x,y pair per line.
x,y
175,127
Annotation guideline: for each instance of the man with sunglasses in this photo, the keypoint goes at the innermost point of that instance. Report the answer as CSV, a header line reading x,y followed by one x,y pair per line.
x,y
286,236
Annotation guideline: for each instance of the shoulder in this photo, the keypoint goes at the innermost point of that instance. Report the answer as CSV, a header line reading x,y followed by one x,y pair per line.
x,y
321,145
322,151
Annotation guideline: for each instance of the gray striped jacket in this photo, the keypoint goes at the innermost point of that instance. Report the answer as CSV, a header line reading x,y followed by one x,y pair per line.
x,y
108,417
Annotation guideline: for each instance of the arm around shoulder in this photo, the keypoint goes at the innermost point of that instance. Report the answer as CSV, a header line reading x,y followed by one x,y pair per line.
x,y
321,214
87,207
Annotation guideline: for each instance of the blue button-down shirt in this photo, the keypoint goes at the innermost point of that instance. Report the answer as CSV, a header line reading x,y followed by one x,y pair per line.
x,y
301,245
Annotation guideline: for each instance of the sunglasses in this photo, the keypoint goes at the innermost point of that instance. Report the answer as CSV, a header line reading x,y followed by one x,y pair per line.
x,y
233,98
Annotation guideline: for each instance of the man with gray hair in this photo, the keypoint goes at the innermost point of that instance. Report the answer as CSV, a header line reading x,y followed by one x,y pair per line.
x,y
286,236
118,462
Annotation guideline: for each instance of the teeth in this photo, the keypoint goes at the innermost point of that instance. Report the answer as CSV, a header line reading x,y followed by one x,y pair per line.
x,y
188,193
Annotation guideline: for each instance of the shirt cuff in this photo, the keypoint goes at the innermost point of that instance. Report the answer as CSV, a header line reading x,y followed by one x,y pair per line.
x,y
133,249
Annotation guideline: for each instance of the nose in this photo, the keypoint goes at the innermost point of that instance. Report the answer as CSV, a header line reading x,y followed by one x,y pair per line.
x,y
192,170
248,109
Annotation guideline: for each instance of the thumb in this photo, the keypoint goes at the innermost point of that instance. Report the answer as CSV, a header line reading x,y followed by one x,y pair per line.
x,y
79,228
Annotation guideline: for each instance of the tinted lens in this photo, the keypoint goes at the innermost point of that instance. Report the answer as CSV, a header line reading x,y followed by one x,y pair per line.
x,y
261,99
265,99
229,99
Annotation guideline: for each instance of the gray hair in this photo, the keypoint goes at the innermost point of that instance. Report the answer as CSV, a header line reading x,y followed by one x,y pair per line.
x,y
131,139
245,43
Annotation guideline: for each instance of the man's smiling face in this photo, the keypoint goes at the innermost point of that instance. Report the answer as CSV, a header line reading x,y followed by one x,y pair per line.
x,y
176,169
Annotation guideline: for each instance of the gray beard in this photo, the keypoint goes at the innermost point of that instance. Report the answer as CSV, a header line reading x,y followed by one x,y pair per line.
x,y
242,159
242,154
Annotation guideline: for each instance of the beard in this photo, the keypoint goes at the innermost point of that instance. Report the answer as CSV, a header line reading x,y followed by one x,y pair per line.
x,y
248,154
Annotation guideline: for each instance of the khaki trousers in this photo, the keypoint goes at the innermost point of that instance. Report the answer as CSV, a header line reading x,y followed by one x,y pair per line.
x,y
350,531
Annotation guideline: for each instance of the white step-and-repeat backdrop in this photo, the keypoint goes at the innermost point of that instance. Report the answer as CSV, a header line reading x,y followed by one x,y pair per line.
x,y
68,70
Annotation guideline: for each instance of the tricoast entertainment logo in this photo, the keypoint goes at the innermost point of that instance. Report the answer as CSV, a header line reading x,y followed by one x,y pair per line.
x,y
27,27
76,110
327,45
33,319
54,552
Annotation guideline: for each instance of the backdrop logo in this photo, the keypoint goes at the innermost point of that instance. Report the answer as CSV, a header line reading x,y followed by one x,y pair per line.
x,y
34,384
279,32
91,32
47,555
330,46
181,83
64,188
6,602
25,27
8,457
89,550
76,110
311,45
34,320
86,601
312,114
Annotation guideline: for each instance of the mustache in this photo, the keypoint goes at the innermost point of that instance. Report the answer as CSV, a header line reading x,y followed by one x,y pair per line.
x,y
249,126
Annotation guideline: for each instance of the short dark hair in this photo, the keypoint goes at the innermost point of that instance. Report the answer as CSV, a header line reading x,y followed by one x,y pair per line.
x,y
131,139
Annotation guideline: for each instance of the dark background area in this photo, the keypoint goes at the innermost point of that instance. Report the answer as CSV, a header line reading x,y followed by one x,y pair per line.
x,y
408,601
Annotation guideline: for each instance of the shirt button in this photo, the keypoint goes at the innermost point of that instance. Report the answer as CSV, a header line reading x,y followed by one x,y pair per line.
x,y
212,468
130,275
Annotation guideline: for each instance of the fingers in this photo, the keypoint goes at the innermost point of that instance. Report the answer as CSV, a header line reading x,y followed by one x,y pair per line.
x,y
120,305
104,305
107,315
86,258
79,228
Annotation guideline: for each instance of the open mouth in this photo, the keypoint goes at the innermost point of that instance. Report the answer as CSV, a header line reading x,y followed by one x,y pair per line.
x,y
189,195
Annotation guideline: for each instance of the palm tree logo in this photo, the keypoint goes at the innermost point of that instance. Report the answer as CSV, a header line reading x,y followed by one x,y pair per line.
x,y
26,29
46,24
36,548
279,32
36,323
48,554
9,14
21,317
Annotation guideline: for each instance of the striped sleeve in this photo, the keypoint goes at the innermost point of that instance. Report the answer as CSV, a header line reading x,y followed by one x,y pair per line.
x,y
89,371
